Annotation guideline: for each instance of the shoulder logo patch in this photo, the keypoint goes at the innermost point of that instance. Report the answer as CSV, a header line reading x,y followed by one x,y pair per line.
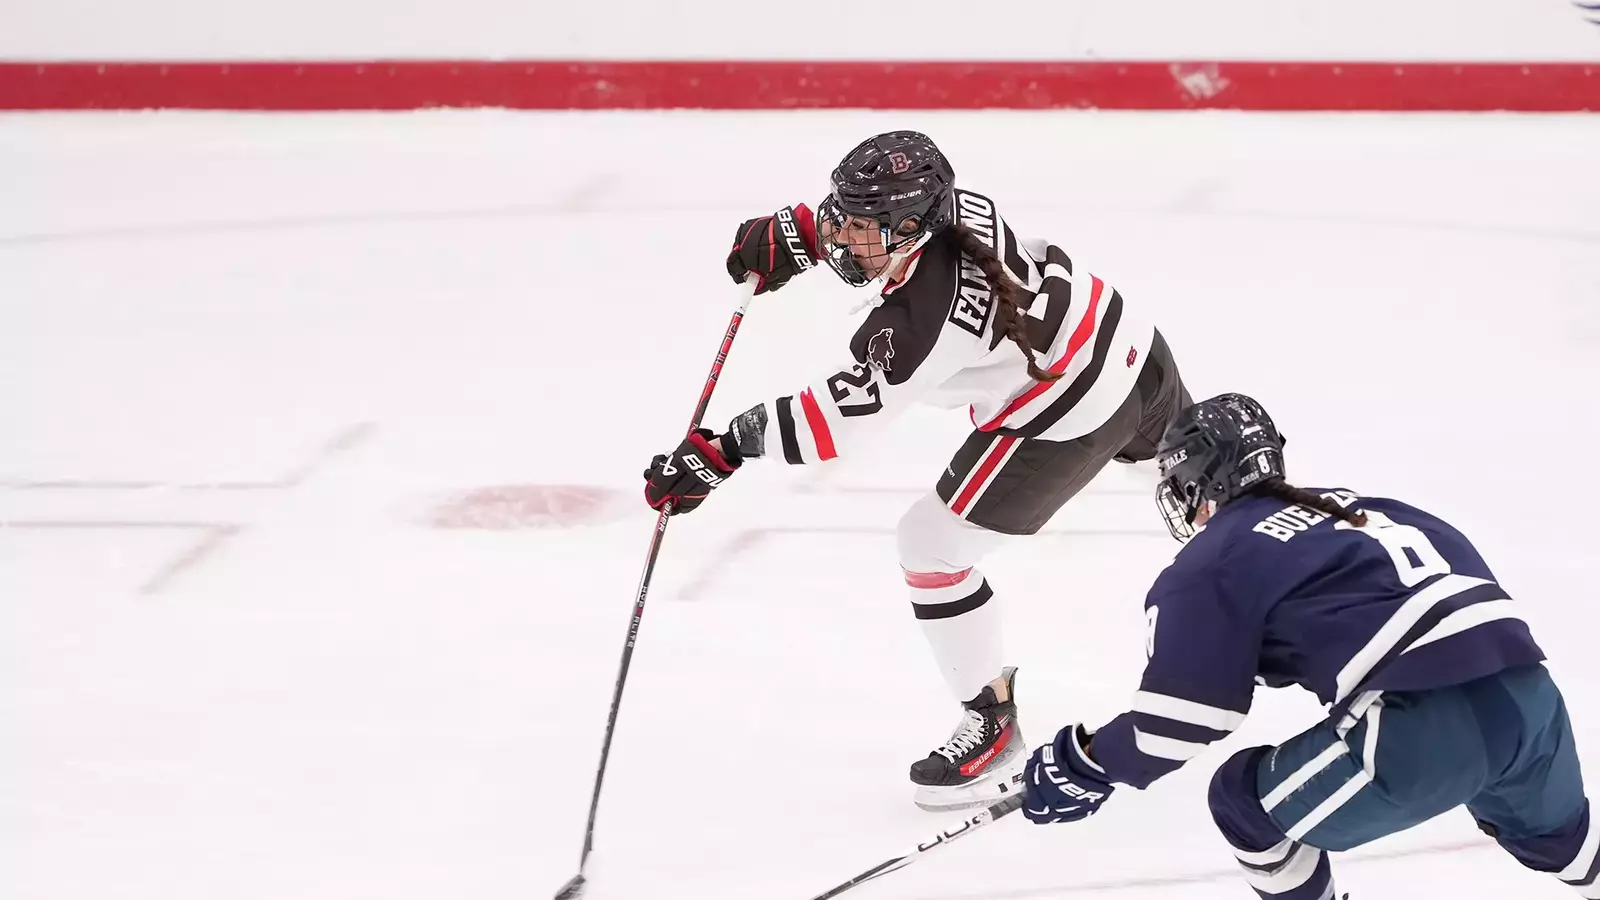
x,y
880,350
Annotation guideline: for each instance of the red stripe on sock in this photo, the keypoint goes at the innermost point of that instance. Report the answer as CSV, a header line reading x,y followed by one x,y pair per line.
x,y
933,580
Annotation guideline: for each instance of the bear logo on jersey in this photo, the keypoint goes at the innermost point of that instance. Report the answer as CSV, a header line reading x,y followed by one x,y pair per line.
x,y
880,350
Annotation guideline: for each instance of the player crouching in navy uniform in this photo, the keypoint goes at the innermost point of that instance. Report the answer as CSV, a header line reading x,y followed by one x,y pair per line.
x,y
1437,696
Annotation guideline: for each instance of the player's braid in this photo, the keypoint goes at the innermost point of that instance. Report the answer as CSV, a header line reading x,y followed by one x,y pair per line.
x,y
1288,493
1007,293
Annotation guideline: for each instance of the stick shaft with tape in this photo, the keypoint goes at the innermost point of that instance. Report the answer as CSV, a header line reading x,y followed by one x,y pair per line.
x,y
973,823
574,888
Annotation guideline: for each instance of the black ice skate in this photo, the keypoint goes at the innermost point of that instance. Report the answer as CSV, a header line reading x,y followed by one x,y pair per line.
x,y
983,760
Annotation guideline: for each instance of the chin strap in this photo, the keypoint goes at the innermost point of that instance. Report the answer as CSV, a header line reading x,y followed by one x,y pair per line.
x,y
896,259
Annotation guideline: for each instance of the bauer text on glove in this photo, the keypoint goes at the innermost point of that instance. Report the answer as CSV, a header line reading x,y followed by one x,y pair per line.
x,y
774,248
1062,783
687,475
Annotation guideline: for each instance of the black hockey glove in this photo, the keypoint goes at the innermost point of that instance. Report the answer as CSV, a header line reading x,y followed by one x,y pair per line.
x,y
686,475
775,248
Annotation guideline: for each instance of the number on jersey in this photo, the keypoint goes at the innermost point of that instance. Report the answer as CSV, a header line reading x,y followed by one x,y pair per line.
x,y
1405,543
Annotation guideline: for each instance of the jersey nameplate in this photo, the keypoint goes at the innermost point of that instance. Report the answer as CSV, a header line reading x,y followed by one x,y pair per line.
x,y
974,299
974,295
977,215
1297,519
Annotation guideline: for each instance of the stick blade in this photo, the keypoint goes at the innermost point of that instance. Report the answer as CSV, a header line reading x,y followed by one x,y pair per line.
x,y
573,889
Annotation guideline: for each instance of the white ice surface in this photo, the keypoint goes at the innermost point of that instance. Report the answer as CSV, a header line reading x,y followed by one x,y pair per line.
x,y
310,329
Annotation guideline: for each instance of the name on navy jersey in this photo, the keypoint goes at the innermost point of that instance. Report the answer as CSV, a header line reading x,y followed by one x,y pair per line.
x,y
1288,595
1296,519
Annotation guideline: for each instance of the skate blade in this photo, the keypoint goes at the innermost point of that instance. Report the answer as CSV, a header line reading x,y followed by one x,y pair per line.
x,y
982,793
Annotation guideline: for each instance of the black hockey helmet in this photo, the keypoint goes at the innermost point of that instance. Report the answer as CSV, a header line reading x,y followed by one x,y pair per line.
x,y
1214,452
898,179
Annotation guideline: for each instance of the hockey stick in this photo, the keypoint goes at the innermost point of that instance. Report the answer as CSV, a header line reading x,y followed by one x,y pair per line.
x,y
984,817
574,888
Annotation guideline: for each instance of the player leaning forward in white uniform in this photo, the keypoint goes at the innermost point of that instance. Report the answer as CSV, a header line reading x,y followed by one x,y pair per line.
x,y
1059,373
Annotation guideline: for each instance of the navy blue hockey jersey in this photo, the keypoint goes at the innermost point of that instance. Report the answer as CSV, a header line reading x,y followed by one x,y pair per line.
x,y
1289,595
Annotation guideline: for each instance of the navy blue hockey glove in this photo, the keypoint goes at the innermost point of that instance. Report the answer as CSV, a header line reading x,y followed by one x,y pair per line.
x,y
774,248
686,475
1062,783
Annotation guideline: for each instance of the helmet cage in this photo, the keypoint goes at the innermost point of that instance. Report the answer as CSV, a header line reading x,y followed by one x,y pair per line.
x,y
1186,484
1179,506
844,259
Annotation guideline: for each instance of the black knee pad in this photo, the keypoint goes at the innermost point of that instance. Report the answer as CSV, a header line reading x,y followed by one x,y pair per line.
x,y
1236,807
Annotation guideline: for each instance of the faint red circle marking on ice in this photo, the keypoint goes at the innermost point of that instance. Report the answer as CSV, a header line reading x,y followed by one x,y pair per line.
x,y
526,506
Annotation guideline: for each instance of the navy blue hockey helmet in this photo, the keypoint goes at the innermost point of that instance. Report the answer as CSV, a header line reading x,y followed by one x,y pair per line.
x,y
1214,452
897,179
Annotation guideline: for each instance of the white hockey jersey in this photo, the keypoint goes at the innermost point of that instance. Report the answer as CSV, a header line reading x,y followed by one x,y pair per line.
x,y
935,340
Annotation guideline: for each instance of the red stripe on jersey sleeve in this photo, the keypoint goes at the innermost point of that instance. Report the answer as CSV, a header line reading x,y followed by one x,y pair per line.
x,y
990,463
1074,344
819,426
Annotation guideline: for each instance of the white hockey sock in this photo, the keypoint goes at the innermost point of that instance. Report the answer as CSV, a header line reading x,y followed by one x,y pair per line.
x,y
962,623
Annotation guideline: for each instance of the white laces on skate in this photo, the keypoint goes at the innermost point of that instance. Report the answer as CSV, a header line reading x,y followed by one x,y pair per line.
x,y
970,734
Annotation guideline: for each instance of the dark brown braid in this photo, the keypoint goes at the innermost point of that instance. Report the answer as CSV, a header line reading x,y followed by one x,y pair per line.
x,y
1011,318
1288,493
